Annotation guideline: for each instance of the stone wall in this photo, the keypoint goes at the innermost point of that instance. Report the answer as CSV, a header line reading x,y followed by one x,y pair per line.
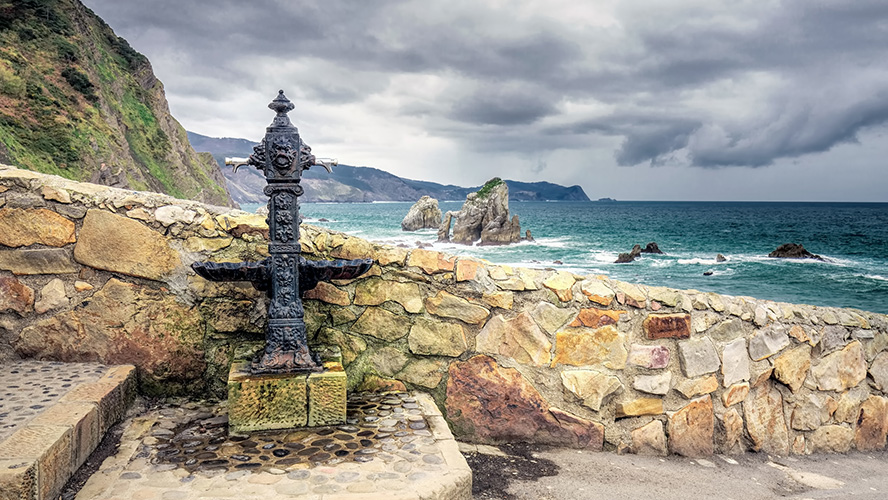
x,y
102,274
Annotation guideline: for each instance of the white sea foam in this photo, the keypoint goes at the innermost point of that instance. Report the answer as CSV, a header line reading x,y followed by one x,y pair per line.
x,y
603,256
708,261
877,277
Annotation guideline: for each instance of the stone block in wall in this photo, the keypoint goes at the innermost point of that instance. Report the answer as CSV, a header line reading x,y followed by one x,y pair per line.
x,y
550,317
350,345
667,326
425,373
38,261
430,261
119,244
765,420
729,329
447,305
592,387
630,294
52,296
467,269
840,370
437,338
595,318
872,424
596,291
792,366
848,407
832,338
732,423
492,404
325,292
698,357
387,361
831,439
648,356
125,323
691,429
767,342
561,283
518,338
658,384
502,300
375,291
381,324
650,439
734,394
639,407
735,363
15,296
811,412
586,347
878,370
691,388
23,227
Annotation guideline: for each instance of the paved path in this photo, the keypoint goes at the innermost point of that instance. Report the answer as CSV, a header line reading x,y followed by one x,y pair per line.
x,y
394,446
592,476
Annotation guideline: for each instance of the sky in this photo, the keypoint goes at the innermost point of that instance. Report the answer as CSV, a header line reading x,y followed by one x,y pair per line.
x,y
755,100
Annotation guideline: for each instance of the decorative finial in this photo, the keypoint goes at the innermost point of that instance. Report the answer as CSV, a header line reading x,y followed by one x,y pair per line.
x,y
281,105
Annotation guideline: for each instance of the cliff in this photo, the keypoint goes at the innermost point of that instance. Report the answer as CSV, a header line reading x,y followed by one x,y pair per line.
x,y
77,101
364,184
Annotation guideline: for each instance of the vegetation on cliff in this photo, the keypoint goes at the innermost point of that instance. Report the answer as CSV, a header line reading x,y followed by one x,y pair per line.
x,y
75,96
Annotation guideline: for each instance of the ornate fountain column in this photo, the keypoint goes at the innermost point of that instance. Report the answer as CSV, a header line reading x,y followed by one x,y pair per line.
x,y
276,389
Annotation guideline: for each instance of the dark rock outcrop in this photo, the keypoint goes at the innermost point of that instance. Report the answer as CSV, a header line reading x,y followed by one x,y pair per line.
x,y
483,218
720,258
424,214
625,258
652,248
793,251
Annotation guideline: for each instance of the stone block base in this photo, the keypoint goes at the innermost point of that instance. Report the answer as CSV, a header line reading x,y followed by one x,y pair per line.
x,y
286,401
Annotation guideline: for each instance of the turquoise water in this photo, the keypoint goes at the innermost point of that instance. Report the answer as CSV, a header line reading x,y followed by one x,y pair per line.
x,y
586,237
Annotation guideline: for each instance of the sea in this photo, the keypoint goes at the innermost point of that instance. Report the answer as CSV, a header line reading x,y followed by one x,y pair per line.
x,y
586,237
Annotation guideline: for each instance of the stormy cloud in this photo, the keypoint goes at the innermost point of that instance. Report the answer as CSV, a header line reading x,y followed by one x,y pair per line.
x,y
530,85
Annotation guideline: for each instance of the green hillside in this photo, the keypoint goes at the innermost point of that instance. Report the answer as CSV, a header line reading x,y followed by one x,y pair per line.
x,y
75,96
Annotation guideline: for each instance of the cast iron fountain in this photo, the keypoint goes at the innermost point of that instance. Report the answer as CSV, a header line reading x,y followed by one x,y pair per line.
x,y
286,275
277,378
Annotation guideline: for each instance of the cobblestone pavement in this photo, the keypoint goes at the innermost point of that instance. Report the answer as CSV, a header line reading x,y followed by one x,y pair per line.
x,y
392,446
27,388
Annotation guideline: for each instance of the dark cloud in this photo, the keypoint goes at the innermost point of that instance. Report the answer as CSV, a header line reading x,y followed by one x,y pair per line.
x,y
504,105
710,84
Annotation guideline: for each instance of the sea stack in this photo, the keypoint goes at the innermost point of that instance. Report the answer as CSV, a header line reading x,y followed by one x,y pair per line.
x,y
424,214
483,218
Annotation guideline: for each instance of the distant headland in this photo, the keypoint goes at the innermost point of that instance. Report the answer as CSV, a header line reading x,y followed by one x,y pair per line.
x,y
364,184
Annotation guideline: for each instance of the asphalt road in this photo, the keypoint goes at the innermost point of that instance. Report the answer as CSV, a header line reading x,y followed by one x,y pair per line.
x,y
566,474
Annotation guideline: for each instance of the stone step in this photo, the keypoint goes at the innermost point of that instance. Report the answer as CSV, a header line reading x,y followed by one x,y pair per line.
x,y
52,416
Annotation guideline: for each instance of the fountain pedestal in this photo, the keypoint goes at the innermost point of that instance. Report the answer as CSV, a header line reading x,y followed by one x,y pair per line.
x,y
272,401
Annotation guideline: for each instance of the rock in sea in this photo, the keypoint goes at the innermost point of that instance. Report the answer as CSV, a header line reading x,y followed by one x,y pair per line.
x,y
793,251
424,214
